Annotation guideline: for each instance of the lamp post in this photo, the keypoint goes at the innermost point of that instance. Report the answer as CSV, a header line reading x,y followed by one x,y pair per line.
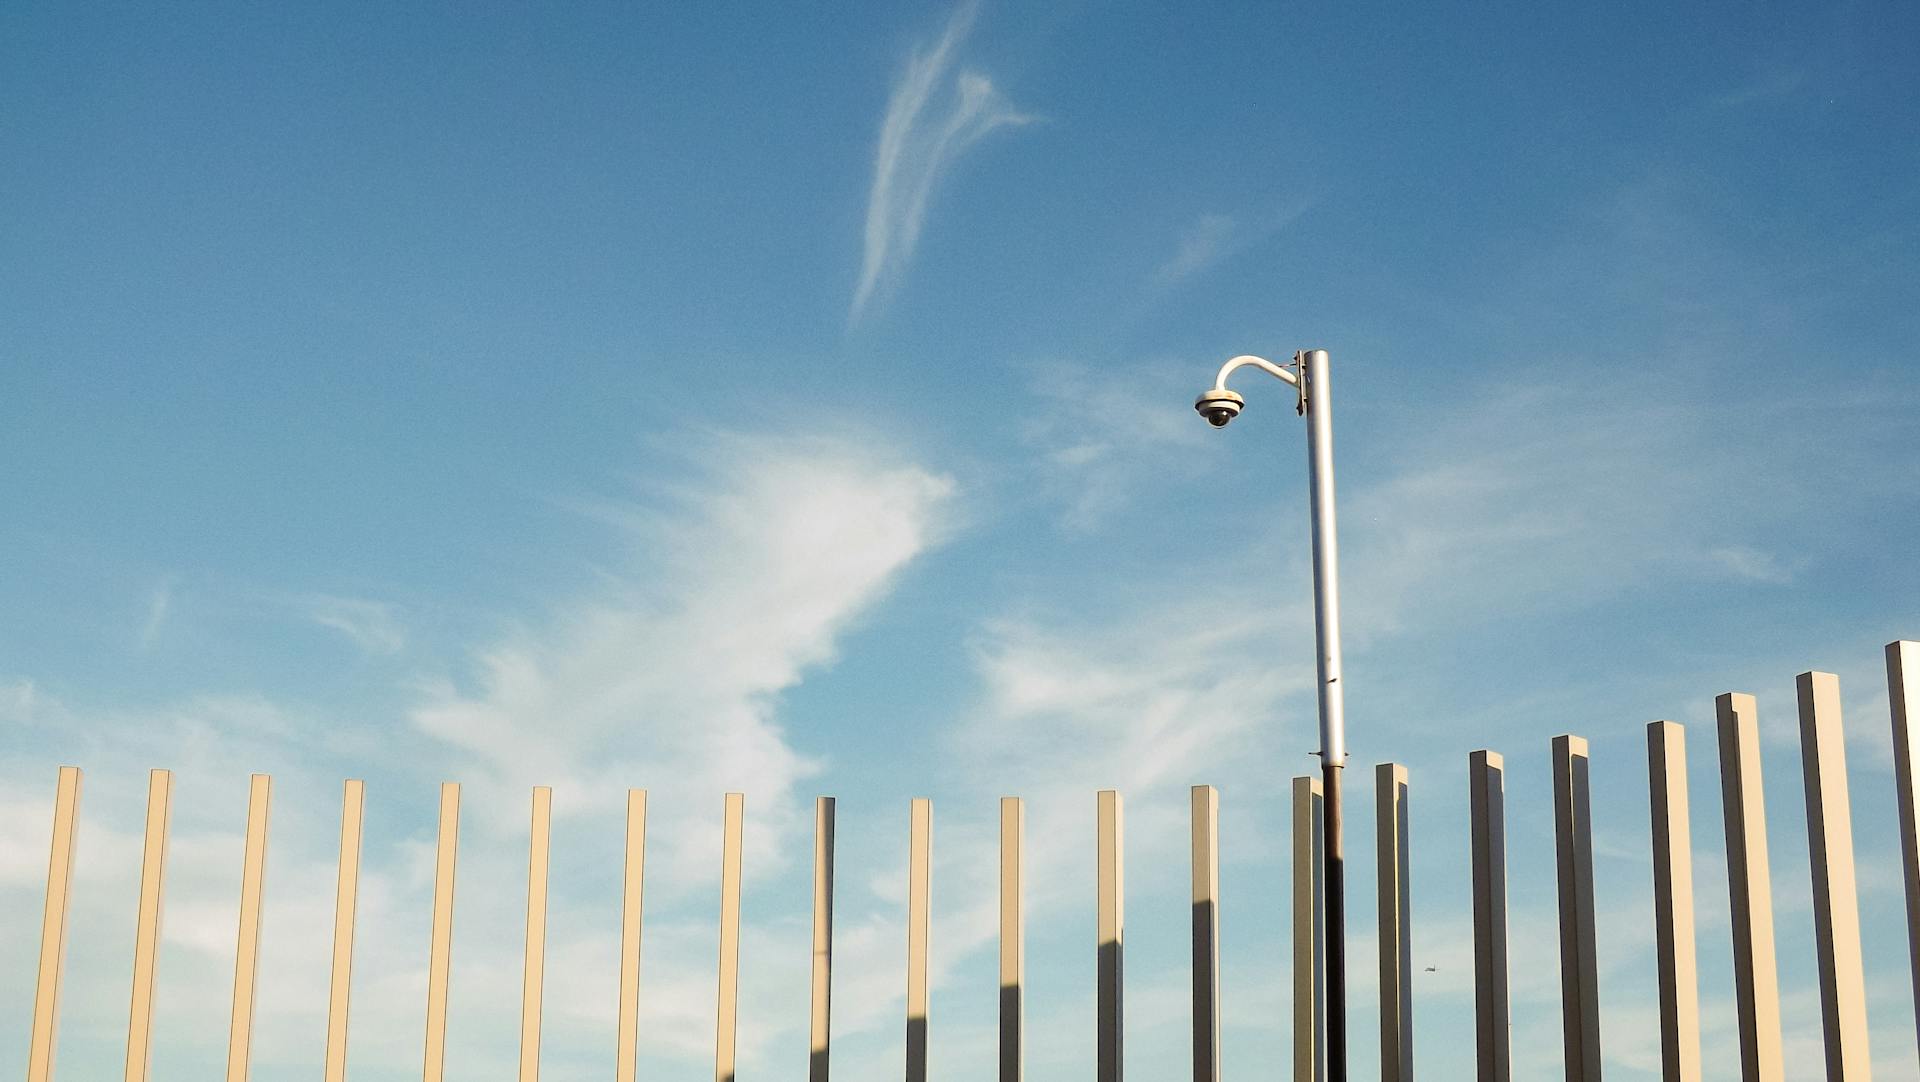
x,y
1308,374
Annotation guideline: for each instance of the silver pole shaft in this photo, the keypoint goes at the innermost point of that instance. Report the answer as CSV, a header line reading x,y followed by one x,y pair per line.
x,y
1326,557
1333,744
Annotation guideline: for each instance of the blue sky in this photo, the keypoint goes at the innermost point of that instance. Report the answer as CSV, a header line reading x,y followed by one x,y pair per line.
x,y
798,402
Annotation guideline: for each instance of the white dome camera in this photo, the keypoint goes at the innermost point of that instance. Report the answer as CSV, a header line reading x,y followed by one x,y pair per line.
x,y
1219,406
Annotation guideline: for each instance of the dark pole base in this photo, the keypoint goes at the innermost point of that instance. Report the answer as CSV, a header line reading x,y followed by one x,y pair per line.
x,y
1336,945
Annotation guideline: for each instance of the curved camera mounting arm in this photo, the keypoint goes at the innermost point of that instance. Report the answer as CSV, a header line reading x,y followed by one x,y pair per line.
x,y
1220,405
1245,359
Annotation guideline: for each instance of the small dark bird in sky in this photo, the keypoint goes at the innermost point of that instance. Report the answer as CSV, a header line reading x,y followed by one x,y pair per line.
x,y
1431,969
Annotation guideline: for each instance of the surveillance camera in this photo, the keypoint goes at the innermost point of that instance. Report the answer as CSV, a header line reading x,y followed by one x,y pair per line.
x,y
1219,406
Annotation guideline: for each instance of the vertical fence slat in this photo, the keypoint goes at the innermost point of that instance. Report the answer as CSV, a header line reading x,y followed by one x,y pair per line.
x,y
440,949
1903,699
727,1017
1206,933
1309,931
346,899
820,1024
1013,941
53,927
1673,902
1573,851
146,936
1111,897
533,975
632,893
1487,800
246,951
919,906
1836,908
1756,978
1391,858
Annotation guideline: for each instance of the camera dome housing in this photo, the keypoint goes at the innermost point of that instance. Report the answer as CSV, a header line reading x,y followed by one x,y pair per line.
x,y
1219,406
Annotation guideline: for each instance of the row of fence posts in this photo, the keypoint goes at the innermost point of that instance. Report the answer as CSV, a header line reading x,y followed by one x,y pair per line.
x,y
1756,982
1836,914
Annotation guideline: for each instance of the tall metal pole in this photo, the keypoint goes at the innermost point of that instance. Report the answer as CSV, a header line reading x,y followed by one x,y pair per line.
x,y
1310,375
1316,387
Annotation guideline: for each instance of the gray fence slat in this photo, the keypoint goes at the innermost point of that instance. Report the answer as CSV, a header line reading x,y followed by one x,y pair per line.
x,y
1486,791
1396,922
1573,851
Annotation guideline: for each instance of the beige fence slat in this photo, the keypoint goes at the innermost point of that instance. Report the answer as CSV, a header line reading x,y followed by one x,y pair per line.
x,y
1309,931
820,1023
534,971
1487,800
440,950
346,904
1392,876
627,1055
1573,851
1013,938
146,936
1674,946
53,927
1903,698
246,953
1756,977
1109,1035
919,903
1836,907
1206,933
726,1022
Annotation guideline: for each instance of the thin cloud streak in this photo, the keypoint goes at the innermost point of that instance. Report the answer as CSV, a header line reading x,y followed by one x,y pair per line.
x,y
159,607
920,140
1213,239
373,626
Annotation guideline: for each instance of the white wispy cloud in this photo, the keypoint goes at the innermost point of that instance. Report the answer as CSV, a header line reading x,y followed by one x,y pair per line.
x,y
668,676
1201,244
1770,85
159,607
934,116
1746,562
1213,238
373,626
1106,435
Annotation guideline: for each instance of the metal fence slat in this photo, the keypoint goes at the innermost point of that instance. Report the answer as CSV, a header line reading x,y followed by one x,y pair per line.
x,y
440,948
146,936
53,927
246,952
1836,906
1674,945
